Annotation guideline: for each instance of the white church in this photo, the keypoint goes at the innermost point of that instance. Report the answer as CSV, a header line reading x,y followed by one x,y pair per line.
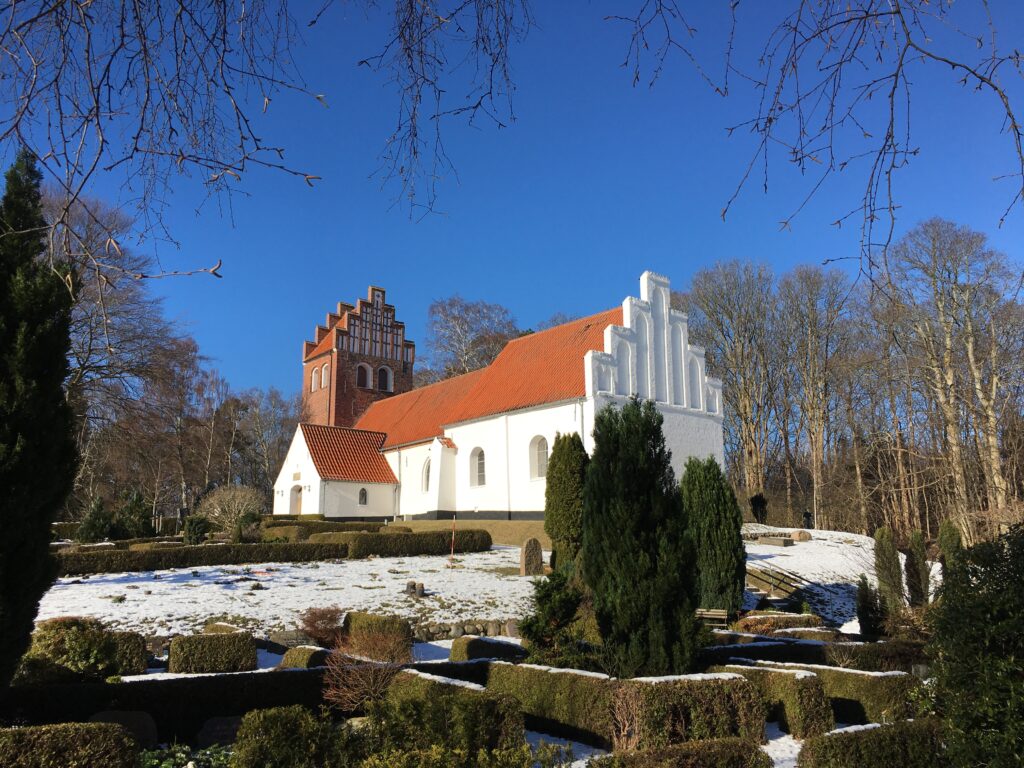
x,y
477,445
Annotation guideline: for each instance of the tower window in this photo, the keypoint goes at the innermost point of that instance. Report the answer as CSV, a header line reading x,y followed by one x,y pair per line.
x,y
384,379
323,375
313,380
363,376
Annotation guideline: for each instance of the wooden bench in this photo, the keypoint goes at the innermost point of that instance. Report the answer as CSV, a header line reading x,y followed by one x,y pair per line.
x,y
715,617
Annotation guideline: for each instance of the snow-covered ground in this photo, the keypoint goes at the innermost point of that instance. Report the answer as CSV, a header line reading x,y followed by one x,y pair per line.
x,y
484,585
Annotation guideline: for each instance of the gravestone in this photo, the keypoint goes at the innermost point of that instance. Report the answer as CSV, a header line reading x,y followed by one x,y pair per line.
x,y
801,536
139,724
531,559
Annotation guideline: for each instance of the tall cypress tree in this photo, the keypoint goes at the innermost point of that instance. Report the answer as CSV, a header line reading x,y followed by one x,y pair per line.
x,y
37,450
888,572
918,571
715,522
637,556
563,497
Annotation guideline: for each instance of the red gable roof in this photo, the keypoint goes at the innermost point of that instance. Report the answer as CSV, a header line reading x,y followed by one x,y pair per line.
x,y
340,453
542,367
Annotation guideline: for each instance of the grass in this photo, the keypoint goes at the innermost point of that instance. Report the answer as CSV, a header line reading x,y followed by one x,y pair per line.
x,y
511,533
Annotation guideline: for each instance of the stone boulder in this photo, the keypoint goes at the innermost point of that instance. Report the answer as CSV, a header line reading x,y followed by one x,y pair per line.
x,y
531,559
801,536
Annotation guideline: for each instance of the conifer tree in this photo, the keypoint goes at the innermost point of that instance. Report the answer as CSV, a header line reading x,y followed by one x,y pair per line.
x,y
563,496
715,521
888,571
637,556
37,452
950,544
918,571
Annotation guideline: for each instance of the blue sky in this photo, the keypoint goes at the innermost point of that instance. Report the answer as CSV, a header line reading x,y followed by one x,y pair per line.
x,y
595,182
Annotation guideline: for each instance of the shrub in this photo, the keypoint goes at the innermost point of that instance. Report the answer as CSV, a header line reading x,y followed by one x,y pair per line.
x,y
950,543
322,625
888,571
68,745
224,507
918,571
469,647
351,681
328,537
759,623
194,529
116,561
759,508
360,623
908,744
395,529
321,525
426,543
713,753
563,495
64,530
794,698
148,546
183,756
869,608
289,533
889,656
978,649
284,737
304,657
547,756
98,523
637,556
825,634
131,656
235,652
552,631
714,521
134,518
77,644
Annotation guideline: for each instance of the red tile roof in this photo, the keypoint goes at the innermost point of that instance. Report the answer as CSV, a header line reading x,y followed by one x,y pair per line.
x,y
543,367
354,455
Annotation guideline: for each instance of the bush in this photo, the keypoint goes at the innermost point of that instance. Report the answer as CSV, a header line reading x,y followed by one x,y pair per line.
x,y
351,681
68,745
759,508
553,633
328,537
794,699
116,561
395,529
234,652
908,744
765,623
426,543
148,546
284,737
321,525
183,756
322,625
289,533
469,647
130,653
889,572
918,571
224,507
79,645
304,657
712,753
194,529
563,495
978,648
890,656
98,524
869,608
362,623
950,544
64,530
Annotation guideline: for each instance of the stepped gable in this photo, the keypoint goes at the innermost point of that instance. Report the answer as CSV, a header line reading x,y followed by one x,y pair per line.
x,y
341,453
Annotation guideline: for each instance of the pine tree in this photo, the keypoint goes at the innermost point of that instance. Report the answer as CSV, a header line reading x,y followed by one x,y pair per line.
x,y
637,557
888,571
869,608
950,544
715,521
918,571
37,450
563,496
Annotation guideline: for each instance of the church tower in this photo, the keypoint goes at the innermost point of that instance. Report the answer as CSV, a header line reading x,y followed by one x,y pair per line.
x,y
360,355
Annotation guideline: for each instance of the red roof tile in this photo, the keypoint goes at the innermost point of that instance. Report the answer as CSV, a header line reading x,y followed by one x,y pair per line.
x,y
543,367
354,455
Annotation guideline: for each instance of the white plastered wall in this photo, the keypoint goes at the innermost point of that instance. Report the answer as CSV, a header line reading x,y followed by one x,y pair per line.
x,y
341,499
297,472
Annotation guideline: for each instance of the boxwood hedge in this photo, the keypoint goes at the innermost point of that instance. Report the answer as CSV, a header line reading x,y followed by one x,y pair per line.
x,y
794,698
360,622
907,744
234,652
130,652
116,561
284,737
322,526
68,745
765,623
712,753
304,657
472,647
426,543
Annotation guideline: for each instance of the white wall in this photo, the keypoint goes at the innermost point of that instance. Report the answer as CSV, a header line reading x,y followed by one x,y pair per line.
x,y
297,471
341,499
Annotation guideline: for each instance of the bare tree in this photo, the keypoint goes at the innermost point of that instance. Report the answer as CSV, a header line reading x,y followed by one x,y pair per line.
x,y
463,336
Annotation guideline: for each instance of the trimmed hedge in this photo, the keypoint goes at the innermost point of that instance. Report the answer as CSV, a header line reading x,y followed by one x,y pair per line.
x,y
284,533
711,753
508,532
304,657
888,656
233,652
323,526
395,529
470,647
907,744
409,544
357,622
330,537
284,737
68,745
794,698
274,519
130,652
825,634
64,530
765,623
147,546
865,697
71,648
117,561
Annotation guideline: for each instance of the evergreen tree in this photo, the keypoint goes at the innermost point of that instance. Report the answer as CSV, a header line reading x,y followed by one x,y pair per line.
x,y
949,544
563,497
888,571
637,556
37,450
869,608
97,525
918,571
715,520
133,519
759,508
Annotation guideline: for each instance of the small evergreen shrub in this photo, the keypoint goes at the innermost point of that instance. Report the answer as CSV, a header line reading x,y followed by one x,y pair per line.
x,y
360,622
79,645
563,496
758,623
889,572
131,656
64,530
425,543
869,608
469,647
712,753
328,537
759,508
195,529
148,546
950,543
552,632
918,572
907,744
304,657
68,745
284,737
117,561
235,652
288,533
395,529
794,699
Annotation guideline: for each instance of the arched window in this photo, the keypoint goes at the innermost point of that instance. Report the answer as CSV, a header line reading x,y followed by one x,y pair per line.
x,y
323,375
313,379
426,475
363,376
477,468
362,497
538,457
384,379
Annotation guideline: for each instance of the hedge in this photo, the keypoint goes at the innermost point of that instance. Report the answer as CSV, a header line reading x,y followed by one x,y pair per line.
x,y
470,647
360,622
712,753
130,651
284,533
117,561
329,537
274,519
283,737
794,698
907,744
408,544
508,532
179,706
304,657
825,634
234,652
72,648
147,546
395,529
888,656
765,623
323,526
865,697
68,745
64,530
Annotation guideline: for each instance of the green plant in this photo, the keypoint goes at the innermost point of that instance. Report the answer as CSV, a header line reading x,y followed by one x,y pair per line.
x,y
466,647
98,523
712,753
425,543
68,745
184,756
794,699
551,631
869,608
714,520
130,653
563,496
322,625
234,652
37,432
766,622
759,508
950,544
888,571
78,644
908,744
918,571
284,737
978,652
133,518
304,657
637,556
361,622
195,528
